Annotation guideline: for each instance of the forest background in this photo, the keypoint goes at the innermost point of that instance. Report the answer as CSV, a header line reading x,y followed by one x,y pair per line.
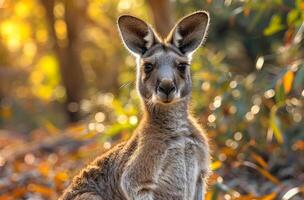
x,y
67,92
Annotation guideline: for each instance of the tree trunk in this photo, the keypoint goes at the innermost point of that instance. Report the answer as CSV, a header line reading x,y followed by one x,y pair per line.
x,y
162,15
69,60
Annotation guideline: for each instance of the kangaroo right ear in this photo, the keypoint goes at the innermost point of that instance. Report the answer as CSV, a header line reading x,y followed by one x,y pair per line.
x,y
137,36
190,32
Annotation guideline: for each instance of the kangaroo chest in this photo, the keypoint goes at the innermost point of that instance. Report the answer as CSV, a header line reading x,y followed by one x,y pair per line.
x,y
181,167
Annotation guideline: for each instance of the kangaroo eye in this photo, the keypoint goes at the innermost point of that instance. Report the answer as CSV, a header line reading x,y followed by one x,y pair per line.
x,y
148,67
182,67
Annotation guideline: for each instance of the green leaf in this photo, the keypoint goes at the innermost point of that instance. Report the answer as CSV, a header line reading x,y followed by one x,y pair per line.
x,y
278,2
274,26
216,190
280,93
298,4
292,16
275,126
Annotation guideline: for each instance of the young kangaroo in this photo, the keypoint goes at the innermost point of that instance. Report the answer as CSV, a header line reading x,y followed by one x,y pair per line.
x,y
168,154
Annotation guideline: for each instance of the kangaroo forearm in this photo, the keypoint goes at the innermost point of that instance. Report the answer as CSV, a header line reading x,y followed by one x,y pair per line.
x,y
135,191
137,188
147,190
86,196
142,196
142,171
146,193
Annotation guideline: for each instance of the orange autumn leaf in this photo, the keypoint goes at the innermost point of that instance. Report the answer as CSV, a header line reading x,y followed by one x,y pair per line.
x,y
76,128
61,176
270,196
43,190
298,145
44,169
208,196
209,1
268,175
259,160
246,11
245,197
212,179
264,172
6,112
288,37
18,192
302,6
6,197
287,81
51,128
228,151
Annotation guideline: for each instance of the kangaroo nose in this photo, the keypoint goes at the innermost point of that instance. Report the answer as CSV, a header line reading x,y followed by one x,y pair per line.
x,y
167,87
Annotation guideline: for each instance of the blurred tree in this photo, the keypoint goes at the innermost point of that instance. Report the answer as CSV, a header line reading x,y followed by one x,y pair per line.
x,y
162,16
65,34
3,56
5,72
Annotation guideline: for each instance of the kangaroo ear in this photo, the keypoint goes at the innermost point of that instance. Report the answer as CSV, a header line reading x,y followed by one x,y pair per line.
x,y
190,32
137,36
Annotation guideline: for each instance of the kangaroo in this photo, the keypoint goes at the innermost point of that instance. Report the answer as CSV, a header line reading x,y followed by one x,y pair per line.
x,y
167,157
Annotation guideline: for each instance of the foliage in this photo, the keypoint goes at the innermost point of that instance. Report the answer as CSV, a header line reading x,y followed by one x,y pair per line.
x,y
248,93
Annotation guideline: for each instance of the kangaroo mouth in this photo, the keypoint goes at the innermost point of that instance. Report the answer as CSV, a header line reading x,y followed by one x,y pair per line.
x,y
164,99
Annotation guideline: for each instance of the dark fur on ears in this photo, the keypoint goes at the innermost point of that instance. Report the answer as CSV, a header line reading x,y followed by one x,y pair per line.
x,y
189,32
136,34
187,35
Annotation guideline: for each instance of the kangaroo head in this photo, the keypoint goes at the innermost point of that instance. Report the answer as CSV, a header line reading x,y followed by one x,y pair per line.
x,y
163,65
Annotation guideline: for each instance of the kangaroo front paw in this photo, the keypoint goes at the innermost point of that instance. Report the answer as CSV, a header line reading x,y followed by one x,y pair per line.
x,y
145,196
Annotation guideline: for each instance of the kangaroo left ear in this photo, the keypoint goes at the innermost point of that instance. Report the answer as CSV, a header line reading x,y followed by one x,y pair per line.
x,y
136,34
189,33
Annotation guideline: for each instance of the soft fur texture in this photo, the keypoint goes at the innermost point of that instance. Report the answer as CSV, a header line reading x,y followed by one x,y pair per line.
x,y
168,155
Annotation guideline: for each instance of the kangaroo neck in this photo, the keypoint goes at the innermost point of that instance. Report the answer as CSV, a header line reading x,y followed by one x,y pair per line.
x,y
167,116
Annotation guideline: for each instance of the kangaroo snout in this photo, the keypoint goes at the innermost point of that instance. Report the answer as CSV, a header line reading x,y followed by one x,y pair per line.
x,y
166,90
167,87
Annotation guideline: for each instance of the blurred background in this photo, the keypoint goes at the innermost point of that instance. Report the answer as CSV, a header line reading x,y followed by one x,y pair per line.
x,y
67,92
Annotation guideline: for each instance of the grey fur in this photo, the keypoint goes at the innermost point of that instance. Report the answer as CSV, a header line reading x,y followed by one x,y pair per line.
x,y
167,158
